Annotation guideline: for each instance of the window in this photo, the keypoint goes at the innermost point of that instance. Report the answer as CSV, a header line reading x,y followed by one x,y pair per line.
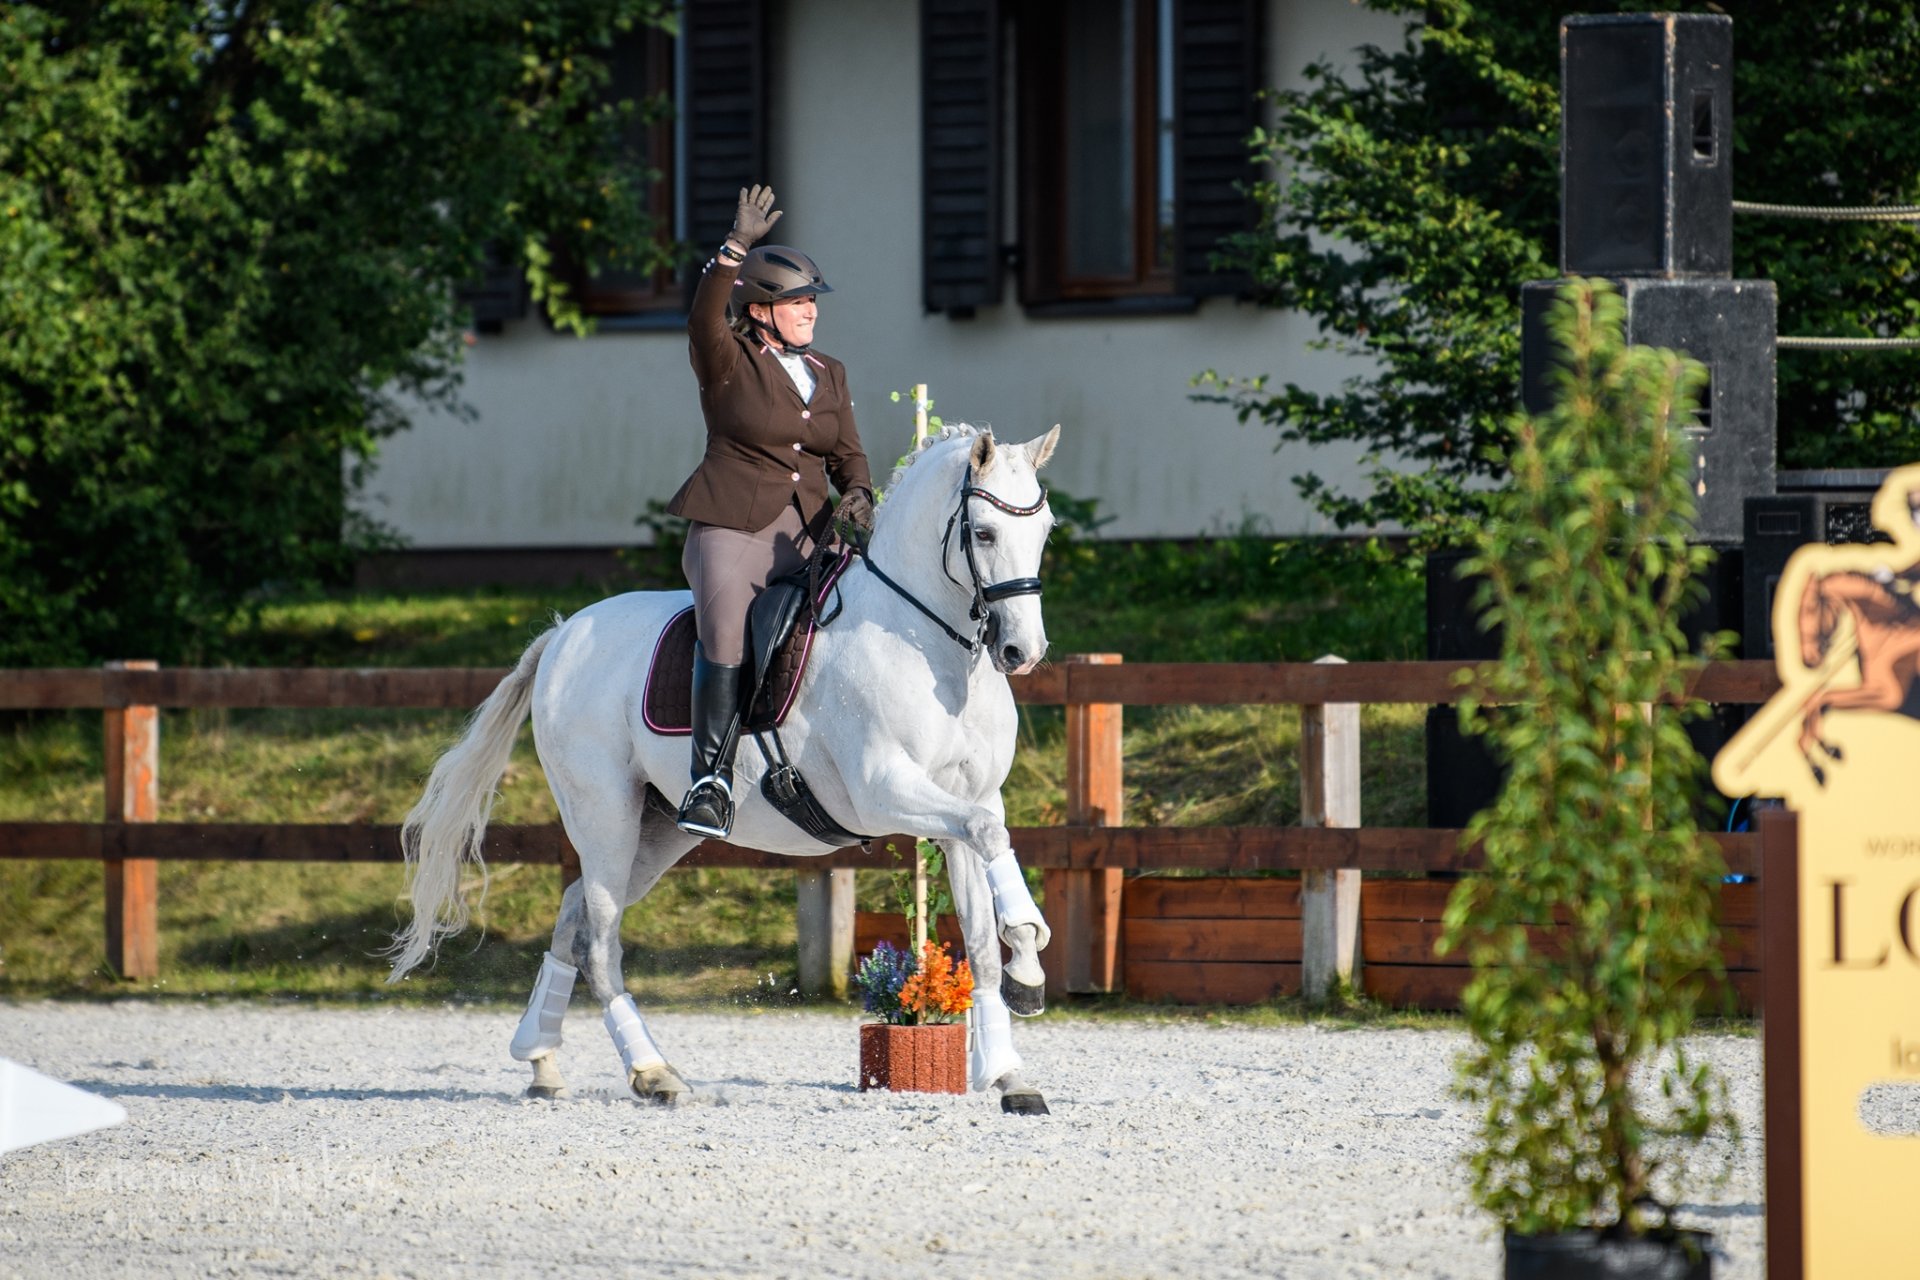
x,y
641,71
1117,126
705,139
1097,148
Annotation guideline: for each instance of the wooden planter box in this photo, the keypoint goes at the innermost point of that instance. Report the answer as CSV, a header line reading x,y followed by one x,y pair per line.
x,y
930,1059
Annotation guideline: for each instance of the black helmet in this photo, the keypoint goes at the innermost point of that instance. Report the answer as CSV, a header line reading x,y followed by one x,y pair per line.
x,y
775,271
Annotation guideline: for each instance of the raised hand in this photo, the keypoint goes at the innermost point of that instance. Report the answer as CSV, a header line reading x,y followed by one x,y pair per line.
x,y
754,217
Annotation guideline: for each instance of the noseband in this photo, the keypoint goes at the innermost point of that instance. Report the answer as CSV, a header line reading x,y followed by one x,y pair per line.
x,y
985,593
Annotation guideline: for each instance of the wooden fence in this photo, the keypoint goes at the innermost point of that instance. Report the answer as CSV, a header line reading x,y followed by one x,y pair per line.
x,y
1156,937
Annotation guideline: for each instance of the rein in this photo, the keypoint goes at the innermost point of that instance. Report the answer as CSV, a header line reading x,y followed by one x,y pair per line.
x,y
984,594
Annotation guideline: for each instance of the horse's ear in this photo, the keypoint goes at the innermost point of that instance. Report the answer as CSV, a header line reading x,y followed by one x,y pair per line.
x,y
982,452
1041,448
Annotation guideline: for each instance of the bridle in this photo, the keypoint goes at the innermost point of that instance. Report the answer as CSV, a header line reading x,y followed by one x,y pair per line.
x,y
984,593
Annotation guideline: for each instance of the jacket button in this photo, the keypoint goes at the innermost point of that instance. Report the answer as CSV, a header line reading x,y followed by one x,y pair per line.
x,y
796,446
796,475
806,413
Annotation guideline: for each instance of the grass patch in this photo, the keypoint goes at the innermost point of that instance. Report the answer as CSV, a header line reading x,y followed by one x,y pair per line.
x,y
715,935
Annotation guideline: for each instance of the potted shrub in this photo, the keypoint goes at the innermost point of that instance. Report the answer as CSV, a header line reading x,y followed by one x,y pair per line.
x,y
916,1045
1592,933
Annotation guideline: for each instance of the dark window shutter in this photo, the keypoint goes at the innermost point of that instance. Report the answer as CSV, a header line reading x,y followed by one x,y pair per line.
x,y
726,115
960,153
1217,66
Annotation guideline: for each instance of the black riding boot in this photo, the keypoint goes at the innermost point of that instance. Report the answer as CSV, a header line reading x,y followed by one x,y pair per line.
x,y
708,808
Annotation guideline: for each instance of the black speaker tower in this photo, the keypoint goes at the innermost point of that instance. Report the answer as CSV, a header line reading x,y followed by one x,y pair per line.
x,y
1646,145
1646,201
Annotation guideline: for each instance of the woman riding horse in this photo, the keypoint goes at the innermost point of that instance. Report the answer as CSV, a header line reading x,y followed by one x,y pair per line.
x,y
779,427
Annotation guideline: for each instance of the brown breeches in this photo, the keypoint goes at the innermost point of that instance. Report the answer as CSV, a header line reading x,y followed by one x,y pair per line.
x,y
728,568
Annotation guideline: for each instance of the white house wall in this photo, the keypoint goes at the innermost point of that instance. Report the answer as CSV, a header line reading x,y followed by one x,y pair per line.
x,y
571,437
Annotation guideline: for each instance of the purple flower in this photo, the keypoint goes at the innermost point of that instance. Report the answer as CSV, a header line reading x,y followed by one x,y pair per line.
x,y
879,979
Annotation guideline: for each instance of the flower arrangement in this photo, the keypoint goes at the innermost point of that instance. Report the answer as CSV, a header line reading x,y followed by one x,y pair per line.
x,y
904,991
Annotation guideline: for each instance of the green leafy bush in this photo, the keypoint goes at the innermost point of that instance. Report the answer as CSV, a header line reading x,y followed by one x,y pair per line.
x,y
1592,932
230,240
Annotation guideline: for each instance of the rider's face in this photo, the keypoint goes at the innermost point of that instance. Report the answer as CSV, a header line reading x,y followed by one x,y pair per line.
x,y
792,319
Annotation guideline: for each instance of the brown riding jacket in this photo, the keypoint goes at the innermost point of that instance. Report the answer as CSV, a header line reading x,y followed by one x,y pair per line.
x,y
766,447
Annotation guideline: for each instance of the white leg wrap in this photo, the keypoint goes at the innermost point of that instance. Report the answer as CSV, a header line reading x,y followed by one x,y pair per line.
x,y
991,1054
1011,901
539,1030
637,1049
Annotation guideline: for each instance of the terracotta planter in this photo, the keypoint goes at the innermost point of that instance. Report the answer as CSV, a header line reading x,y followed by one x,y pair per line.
x,y
921,1059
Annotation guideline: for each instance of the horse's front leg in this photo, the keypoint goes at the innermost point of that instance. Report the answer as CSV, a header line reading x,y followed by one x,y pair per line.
x,y
994,906
919,804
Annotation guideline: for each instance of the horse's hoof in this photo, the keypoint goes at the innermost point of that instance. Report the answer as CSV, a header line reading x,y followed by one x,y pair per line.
x,y
548,1092
1832,750
1024,1104
1819,775
657,1084
1024,1000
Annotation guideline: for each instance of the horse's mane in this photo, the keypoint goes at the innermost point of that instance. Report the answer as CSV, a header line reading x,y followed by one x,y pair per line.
x,y
951,431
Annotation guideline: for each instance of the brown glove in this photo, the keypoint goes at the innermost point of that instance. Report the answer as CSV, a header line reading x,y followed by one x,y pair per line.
x,y
856,510
754,217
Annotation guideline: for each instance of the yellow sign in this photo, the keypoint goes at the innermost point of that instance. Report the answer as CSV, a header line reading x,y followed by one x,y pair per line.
x,y
1840,743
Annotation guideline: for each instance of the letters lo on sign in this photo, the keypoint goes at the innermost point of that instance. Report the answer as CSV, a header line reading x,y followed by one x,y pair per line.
x,y
1840,743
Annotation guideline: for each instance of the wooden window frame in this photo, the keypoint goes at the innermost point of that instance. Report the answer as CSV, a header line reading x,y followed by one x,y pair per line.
x,y
1040,41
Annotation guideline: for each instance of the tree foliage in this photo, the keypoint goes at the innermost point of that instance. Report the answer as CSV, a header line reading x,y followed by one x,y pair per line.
x,y
230,236
1593,830
1417,192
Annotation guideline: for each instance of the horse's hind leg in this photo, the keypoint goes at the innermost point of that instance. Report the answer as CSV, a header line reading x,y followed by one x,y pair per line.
x,y
608,884
536,1040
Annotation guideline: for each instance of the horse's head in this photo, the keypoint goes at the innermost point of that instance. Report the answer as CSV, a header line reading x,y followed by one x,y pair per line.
x,y
1006,515
972,512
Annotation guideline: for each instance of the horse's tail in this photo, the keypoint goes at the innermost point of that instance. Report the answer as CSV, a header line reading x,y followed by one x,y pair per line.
x,y
447,824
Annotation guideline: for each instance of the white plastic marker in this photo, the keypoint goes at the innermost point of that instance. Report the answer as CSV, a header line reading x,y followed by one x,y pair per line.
x,y
36,1108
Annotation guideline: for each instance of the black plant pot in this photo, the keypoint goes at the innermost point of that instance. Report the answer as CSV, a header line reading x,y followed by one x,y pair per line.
x,y
1594,1255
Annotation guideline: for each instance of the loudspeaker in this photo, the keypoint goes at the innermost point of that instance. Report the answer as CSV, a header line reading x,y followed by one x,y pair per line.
x,y
1463,773
1646,145
1727,325
1777,525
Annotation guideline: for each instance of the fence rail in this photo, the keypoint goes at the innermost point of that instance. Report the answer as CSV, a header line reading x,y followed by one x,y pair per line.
x,y
1063,848
1138,684
1083,861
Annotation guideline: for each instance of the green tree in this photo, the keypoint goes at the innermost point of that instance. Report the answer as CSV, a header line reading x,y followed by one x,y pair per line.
x,y
230,239
1417,192
1593,830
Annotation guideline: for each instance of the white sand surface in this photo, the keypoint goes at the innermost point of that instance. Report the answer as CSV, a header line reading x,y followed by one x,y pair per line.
x,y
282,1140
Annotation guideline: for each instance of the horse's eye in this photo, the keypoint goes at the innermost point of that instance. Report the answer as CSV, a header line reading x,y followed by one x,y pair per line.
x,y
983,536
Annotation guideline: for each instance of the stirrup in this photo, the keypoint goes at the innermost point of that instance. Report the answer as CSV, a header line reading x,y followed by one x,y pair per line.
x,y
700,795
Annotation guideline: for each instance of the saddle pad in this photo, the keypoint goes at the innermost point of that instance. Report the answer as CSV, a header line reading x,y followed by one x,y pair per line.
x,y
669,701
668,704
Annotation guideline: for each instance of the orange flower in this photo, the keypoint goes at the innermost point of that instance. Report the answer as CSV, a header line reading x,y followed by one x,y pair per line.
x,y
938,989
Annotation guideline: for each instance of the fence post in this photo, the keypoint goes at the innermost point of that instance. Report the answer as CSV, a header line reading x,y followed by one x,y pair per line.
x,y
1082,905
133,795
1329,797
824,918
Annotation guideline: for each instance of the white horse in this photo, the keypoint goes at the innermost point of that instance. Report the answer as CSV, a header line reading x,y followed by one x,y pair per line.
x,y
897,726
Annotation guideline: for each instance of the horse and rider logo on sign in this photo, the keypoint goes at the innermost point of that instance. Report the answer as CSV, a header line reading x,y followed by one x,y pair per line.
x,y
1840,743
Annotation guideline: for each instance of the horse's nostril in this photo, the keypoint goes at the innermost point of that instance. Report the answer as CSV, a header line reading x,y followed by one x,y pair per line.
x,y
1012,656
